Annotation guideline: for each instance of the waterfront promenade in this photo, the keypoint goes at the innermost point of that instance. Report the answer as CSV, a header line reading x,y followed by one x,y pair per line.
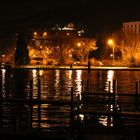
x,y
74,67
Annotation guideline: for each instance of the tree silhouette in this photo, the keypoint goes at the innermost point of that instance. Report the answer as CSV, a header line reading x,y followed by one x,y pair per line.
x,y
21,54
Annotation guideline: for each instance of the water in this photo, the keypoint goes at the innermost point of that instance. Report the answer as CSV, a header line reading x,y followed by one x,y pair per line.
x,y
56,85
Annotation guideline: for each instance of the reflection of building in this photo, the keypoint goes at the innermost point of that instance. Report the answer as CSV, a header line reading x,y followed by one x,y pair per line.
x,y
132,28
58,45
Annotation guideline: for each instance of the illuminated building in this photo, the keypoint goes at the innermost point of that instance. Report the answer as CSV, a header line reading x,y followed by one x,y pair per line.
x,y
57,45
132,28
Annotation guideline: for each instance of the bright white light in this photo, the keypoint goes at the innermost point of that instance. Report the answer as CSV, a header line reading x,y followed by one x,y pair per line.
x,y
41,72
109,82
34,71
35,81
81,116
70,74
104,120
78,82
35,33
57,77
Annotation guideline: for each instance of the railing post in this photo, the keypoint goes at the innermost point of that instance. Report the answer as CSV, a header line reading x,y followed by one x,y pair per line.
x,y
88,79
115,117
31,107
39,89
17,123
109,104
88,86
82,86
109,86
114,95
109,92
1,104
136,94
31,90
88,67
39,103
72,115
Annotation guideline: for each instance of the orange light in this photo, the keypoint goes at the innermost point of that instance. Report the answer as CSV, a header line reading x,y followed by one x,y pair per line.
x,y
35,33
110,42
79,44
45,33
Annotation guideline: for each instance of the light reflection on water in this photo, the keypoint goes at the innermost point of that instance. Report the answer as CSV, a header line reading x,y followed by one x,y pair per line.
x,y
3,81
106,120
56,84
109,81
35,82
53,81
78,83
57,81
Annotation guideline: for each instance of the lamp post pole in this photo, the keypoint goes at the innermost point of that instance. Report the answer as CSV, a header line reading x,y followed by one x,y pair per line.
x,y
113,52
112,43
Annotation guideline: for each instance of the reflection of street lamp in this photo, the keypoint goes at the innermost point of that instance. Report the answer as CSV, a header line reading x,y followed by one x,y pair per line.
x,y
111,43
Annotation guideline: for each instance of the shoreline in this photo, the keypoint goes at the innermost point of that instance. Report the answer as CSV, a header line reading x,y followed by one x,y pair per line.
x,y
64,67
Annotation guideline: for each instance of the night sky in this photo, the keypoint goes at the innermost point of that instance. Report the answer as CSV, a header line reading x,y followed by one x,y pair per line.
x,y
98,16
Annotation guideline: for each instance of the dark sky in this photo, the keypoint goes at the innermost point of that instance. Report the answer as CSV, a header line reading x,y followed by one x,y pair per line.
x,y
96,15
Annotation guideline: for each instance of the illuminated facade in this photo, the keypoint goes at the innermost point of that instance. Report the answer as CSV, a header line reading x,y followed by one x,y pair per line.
x,y
132,28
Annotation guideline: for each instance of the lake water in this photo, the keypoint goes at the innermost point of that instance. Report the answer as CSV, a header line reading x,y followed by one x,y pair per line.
x,y
56,85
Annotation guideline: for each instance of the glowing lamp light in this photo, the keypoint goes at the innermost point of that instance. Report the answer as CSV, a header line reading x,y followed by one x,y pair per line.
x,y
45,33
110,42
79,44
35,33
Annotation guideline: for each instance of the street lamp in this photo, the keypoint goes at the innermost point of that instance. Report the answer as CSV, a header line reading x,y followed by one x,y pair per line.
x,y
111,43
79,44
